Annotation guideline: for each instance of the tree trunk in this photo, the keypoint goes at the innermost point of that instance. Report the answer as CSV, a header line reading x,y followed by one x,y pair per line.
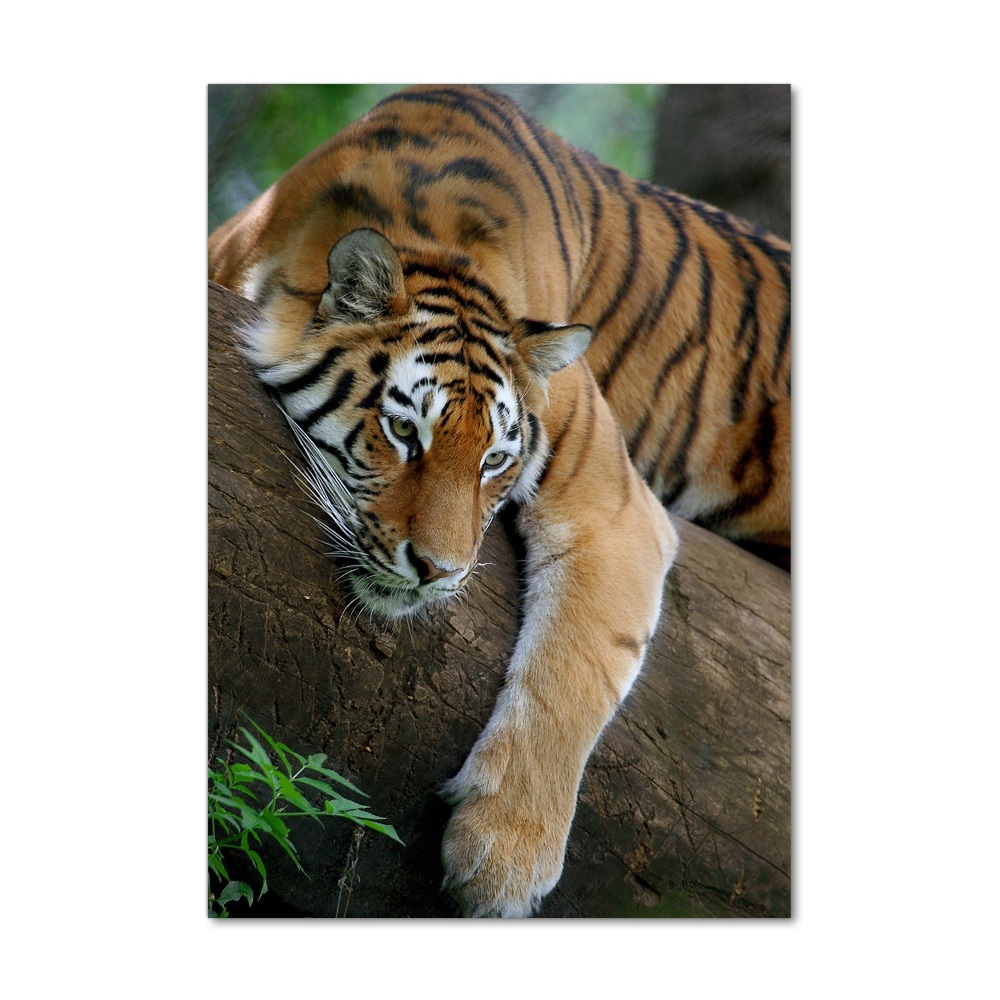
x,y
685,804
729,145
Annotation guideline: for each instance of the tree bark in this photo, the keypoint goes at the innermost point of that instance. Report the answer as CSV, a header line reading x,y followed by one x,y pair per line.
x,y
685,804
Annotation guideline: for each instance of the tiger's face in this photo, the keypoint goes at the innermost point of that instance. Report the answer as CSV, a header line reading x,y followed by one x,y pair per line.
x,y
416,413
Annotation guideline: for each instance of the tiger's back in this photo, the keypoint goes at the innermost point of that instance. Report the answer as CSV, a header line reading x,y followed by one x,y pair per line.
x,y
690,307
428,283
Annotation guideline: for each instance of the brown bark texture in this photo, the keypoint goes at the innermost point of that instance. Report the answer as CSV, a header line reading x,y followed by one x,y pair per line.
x,y
685,806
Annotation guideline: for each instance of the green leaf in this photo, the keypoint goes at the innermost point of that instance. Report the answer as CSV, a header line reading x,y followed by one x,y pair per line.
x,y
242,774
274,824
327,773
289,848
338,806
240,794
279,748
234,891
360,814
227,821
256,753
385,828
217,867
258,864
229,797
323,787
293,795
249,815
235,810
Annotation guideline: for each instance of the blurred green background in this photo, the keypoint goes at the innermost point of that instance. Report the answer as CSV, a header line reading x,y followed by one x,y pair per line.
x,y
727,144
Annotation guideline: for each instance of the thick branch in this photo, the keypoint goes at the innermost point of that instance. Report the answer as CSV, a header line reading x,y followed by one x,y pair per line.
x,y
685,805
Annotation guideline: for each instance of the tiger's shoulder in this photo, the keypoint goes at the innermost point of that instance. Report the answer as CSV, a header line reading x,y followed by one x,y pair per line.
x,y
690,306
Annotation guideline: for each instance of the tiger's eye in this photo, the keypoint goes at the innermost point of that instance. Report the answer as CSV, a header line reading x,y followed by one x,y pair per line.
x,y
495,459
403,429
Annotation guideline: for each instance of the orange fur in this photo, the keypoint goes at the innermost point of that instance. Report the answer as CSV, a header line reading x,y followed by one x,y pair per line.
x,y
495,229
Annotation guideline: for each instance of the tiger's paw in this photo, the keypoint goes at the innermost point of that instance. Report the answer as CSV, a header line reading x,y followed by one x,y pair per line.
x,y
500,856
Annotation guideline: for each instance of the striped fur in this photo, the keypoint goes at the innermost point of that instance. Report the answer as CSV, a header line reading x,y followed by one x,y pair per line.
x,y
429,280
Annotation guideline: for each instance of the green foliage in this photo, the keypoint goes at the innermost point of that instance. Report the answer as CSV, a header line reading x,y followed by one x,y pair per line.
x,y
250,801
615,122
255,133
294,119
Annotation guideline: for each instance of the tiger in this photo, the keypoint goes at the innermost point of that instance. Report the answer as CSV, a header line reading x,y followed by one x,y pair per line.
x,y
462,313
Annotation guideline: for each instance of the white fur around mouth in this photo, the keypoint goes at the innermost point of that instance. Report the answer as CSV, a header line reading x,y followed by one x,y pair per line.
x,y
395,601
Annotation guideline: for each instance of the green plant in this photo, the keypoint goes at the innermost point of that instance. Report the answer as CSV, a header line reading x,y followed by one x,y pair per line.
x,y
250,801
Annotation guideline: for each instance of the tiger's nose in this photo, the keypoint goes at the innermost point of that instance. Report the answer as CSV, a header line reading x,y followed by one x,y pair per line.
x,y
427,571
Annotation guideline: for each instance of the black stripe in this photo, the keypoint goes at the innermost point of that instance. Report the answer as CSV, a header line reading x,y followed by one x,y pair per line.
x,y
649,317
371,540
357,198
679,461
431,270
418,178
499,306
485,371
352,436
554,447
473,338
725,226
533,434
401,397
630,269
493,331
590,284
470,168
449,334
474,169
748,319
436,357
779,253
466,104
307,378
568,188
500,312
760,449
784,330
373,396
345,464
676,470
581,162
696,338
433,308
390,138
588,427
340,393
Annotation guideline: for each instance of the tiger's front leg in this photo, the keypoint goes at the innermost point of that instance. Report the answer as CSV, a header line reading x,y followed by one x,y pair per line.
x,y
598,548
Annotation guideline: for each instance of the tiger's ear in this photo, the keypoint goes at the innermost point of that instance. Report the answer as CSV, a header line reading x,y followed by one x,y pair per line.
x,y
365,280
547,347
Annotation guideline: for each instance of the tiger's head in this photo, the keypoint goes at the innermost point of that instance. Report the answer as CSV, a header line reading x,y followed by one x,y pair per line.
x,y
415,398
